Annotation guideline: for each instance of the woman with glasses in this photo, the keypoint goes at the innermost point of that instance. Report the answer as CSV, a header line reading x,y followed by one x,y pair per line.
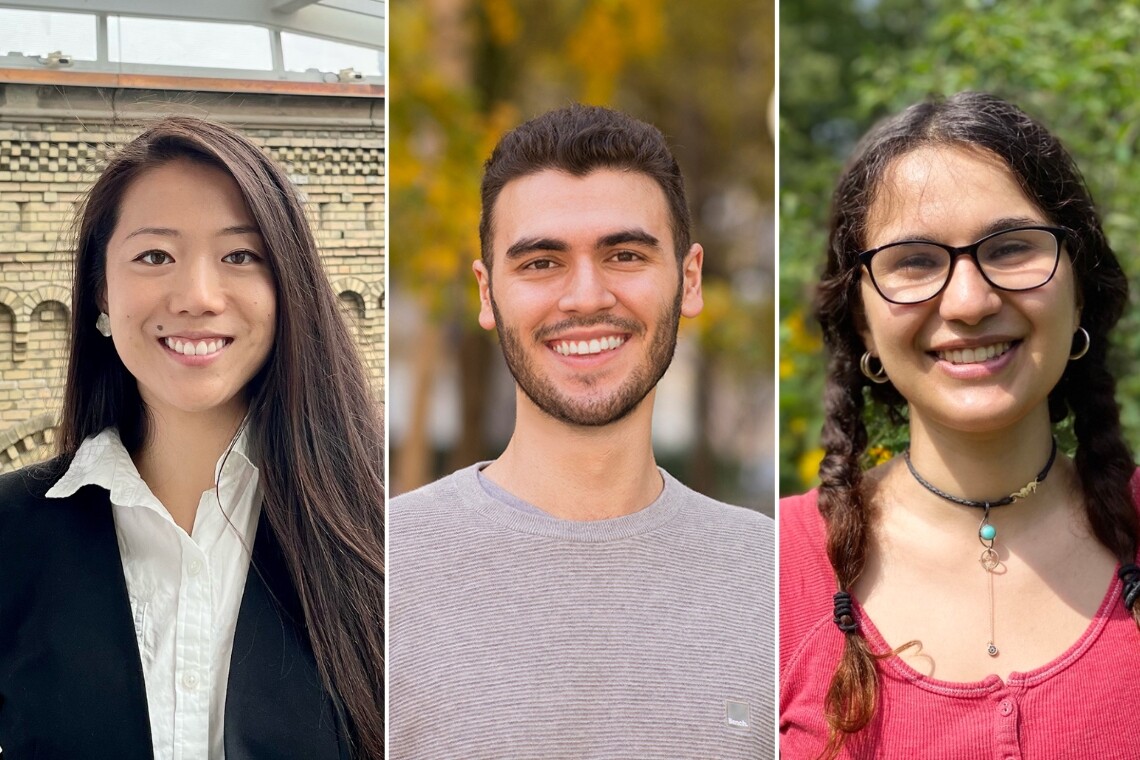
x,y
975,596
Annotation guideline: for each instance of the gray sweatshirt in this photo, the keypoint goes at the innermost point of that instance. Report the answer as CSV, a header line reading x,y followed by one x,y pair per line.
x,y
515,634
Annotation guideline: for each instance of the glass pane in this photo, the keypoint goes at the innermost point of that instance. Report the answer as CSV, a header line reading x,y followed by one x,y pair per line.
x,y
188,43
303,53
37,33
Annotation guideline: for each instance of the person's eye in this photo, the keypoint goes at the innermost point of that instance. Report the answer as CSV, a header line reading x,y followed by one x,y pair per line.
x,y
242,258
1009,249
539,265
909,260
627,256
154,258
917,262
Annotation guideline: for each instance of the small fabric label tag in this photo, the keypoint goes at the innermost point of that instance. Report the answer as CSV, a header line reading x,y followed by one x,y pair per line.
x,y
736,714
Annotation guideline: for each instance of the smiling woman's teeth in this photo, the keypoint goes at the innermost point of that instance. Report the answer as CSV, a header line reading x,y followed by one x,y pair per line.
x,y
974,355
195,348
595,346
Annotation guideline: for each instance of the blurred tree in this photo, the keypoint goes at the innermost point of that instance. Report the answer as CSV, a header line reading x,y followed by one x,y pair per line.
x,y
465,71
1072,65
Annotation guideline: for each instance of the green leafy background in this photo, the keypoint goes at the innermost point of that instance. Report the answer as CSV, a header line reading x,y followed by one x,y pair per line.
x,y
843,65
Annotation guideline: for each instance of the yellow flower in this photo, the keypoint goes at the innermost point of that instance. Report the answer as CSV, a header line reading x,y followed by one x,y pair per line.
x,y
879,454
801,338
808,465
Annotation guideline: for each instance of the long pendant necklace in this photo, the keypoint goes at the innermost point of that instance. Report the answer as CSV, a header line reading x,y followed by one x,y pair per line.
x,y
987,532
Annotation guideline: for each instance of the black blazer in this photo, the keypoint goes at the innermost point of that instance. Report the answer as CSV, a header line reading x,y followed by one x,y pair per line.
x,y
71,680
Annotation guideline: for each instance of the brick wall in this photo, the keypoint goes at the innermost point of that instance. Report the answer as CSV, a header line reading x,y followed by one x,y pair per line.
x,y
53,141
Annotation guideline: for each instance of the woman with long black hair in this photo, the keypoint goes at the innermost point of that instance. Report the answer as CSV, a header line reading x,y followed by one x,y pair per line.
x,y
975,596
199,573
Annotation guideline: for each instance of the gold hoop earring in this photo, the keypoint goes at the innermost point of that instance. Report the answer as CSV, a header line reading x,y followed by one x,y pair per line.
x,y
1083,349
879,377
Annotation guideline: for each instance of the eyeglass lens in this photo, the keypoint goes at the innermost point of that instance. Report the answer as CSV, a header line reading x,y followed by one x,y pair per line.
x,y
1012,260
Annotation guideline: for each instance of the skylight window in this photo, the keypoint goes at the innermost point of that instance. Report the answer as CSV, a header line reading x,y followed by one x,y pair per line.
x,y
171,42
37,33
302,53
244,45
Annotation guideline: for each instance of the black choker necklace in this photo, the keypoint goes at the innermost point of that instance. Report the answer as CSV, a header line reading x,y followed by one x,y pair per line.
x,y
986,532
1029,488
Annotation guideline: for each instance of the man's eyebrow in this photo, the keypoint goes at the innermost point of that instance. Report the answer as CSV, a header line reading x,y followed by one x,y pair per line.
x,y
521,248
628,236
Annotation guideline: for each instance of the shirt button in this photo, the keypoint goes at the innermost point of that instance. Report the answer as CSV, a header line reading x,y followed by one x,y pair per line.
x,y
194,567
190,680
1005,707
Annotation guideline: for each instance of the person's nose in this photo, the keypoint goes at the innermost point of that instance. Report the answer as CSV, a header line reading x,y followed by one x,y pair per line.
x,y
199,289
587,290
968,297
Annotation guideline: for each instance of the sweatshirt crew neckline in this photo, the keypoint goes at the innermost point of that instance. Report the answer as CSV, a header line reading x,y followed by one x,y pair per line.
x,y
658,513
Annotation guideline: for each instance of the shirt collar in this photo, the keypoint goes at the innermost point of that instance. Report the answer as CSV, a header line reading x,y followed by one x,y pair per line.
x,y
104,461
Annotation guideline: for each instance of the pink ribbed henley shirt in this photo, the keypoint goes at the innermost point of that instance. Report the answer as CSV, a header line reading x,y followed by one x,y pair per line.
x,y
1084,705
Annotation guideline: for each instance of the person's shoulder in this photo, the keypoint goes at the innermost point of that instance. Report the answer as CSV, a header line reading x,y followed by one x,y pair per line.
x,y
446,485
713,513
804,566
23,488
807,581
443,495
803,540
730,511
799,514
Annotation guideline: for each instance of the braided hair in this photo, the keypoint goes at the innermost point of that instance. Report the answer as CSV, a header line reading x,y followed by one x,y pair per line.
x,y
1050,178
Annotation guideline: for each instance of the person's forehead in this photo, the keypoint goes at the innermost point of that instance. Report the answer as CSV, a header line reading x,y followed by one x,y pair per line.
x,y
171,183
948,192
552,200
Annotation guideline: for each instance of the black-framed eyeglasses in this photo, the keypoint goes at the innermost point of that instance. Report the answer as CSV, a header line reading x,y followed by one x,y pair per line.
x,y
913,271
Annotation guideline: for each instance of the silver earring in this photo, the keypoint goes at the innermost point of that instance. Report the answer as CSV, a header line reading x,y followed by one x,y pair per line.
x,y
103,324
1083,349
865,367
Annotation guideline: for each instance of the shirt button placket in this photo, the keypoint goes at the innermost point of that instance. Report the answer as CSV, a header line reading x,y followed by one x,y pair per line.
x,y
194,649
1006,714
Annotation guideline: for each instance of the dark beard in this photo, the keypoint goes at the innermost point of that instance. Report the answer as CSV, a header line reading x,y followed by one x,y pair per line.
x,y
601,411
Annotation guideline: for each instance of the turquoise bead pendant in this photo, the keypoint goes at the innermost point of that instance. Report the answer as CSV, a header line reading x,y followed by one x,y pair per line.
x,y
987,532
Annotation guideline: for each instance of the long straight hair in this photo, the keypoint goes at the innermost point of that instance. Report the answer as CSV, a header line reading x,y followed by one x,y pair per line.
x,y
313,421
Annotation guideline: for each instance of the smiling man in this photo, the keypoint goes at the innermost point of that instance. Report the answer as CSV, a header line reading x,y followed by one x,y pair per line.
x,y
571,599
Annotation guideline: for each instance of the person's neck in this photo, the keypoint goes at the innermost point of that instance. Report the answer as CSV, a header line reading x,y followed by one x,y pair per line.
x,y
580,473
178,458
981,467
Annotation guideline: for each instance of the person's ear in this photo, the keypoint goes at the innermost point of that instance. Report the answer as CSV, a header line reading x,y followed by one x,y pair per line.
x,y
692,299
483,277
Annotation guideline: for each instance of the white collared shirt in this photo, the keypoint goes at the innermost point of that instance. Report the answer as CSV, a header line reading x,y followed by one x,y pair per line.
x,y
185,590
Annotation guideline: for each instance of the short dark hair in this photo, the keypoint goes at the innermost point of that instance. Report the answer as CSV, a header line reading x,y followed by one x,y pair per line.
x,y
578,140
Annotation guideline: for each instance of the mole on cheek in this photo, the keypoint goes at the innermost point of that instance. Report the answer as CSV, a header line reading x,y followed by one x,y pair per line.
x,y
159,328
